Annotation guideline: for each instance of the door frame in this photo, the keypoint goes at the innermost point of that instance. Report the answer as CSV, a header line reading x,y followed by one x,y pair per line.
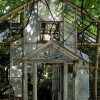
x,y
34,64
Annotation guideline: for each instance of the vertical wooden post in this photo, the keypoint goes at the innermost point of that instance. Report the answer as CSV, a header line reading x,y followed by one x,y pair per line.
x,y
53,71
34,81
62,27
25,81
75,81
65,82
96,64
76,31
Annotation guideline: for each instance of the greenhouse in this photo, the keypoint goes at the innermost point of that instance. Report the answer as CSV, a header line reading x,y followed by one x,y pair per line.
x,y
49,50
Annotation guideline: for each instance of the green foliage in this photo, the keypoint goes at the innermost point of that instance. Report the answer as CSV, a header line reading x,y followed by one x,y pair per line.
x,y
7,5
92,6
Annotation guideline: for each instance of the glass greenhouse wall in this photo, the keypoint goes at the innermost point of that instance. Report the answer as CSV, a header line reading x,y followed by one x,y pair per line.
x,y
50,12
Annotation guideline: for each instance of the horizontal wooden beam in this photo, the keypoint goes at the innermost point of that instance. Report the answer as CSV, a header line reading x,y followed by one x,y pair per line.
x,y
83,43
87,68
67,43
87,44
47,60
83,11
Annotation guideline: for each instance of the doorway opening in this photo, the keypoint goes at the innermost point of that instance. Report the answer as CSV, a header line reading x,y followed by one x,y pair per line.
x,y
50,81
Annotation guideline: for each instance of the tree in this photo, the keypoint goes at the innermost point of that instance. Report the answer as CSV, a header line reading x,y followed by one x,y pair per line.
x,y
8,5
92,6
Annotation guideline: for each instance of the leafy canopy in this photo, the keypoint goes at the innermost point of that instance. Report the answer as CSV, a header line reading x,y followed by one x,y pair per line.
x,y
91,6
7,5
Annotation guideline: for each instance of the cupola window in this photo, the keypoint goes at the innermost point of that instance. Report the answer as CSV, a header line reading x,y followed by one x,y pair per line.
x,y
50,30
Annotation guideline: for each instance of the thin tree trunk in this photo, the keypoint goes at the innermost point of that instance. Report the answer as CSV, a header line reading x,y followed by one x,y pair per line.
x,y
95,72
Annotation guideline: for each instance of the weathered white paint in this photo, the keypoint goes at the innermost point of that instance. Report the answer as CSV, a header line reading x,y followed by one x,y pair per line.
x,y
65,83
35,81
25,81
75,90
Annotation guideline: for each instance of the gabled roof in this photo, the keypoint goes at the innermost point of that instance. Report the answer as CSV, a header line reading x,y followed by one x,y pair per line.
x,y
58,46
